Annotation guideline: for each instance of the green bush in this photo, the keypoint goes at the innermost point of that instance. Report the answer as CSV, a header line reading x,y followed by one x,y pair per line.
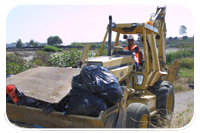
x,y
187,63
41,58
16,64
66,59
37,62
187,69
184,72
182,53
77,45
92,53
59,50
95,45
104,52
49,48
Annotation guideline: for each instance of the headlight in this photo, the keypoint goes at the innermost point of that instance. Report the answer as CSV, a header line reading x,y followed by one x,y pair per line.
x,y
140,78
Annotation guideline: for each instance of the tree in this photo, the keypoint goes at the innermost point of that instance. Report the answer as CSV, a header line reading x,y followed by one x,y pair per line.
x,y
19,44
175,38
36,44
170,38
182,30
54,40
184,37
32,43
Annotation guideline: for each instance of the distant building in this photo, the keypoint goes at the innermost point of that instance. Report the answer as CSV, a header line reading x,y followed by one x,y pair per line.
x,y
11,45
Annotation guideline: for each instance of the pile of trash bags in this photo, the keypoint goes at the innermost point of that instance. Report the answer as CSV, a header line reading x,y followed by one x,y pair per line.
x,y
94,90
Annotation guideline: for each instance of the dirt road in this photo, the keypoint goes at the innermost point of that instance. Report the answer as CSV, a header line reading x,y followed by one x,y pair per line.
x,y
184,109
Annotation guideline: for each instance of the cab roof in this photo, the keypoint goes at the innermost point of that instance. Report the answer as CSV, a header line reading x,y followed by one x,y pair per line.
x,y
133,28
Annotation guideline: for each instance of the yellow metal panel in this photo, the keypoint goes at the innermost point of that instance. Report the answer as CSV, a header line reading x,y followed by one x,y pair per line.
x,y
36,116
110,61
156,64
162,45
118,26
146,52
122,110
154,78
149,100
122,72
137,30
150,76
84,54
155,75
54,119
118,61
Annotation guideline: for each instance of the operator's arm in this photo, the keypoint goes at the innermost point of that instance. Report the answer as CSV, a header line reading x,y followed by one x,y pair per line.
x,y
136,49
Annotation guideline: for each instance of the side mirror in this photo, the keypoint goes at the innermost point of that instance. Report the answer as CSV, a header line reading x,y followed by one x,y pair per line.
x,y
125,36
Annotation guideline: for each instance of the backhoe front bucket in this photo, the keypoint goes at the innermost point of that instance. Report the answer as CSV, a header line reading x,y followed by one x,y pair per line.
x,y
173,71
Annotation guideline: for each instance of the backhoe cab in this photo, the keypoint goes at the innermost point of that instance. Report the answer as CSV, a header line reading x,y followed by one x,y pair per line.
x,y
121,62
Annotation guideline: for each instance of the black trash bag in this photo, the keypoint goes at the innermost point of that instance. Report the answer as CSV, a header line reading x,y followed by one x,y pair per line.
x,y
28,101
46,107
8,99
83,102
77,82
24,100
63,104
112,96
101,81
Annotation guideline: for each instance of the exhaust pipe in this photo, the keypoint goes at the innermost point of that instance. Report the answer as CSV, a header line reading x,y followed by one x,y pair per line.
x,y
109,35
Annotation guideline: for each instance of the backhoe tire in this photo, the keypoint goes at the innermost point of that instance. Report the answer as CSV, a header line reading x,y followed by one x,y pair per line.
x,y
164,92
137,116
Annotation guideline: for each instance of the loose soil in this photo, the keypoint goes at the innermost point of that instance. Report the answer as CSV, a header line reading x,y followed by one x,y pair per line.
x,y
184,109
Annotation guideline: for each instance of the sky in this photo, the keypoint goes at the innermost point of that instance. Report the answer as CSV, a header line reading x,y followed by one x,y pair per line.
x,y
85,23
